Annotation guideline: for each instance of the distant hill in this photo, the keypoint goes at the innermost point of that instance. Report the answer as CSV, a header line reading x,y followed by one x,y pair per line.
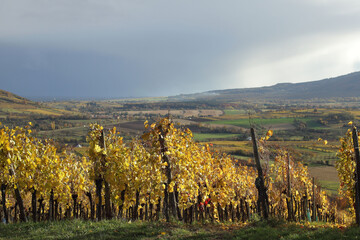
x,y
16,106
342,86
8,97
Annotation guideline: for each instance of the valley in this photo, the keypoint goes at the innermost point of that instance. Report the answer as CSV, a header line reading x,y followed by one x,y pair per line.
x,y
223,122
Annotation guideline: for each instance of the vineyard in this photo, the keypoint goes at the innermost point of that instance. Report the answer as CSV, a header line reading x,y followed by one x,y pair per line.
x,y
166,175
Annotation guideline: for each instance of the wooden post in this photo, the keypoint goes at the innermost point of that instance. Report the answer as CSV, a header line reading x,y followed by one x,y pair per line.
x,y
98,185
306,206
18,198
314,201
74,197
51,205
121,206
56,209
39,209
289,201
92,214
169,197
33,205
263,199
247,210
136,207
3,200
108,212
357,175
177,206
99,180
20,202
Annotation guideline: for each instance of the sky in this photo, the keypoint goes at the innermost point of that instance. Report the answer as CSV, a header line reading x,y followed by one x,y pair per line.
x,y
141,48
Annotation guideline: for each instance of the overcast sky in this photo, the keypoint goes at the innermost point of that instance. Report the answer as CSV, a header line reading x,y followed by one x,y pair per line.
x,y
118,48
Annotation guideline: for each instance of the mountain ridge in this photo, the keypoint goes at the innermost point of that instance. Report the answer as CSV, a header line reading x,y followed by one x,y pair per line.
x,y
342,86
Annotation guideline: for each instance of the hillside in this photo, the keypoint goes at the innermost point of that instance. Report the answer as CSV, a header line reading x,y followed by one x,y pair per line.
x,y
342,86
10,98
16,106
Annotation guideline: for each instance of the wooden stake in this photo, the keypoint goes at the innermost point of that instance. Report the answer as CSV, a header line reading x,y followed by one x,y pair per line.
x,y
263,199
108,212
290,203
314,201
357,175
3,200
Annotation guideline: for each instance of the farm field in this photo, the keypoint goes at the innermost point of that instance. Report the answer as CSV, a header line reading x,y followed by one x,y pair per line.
x,y
206,136
227,129
327,177
300,133
220,172
297,131
273,123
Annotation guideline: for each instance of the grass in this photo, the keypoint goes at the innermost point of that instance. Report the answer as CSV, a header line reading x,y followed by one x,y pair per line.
x,y
115,229
245,122
206,136
28,110
312,123
227,145
234,112
54,112
332,187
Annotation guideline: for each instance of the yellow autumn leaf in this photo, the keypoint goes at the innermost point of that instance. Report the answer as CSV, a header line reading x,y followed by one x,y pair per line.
x,y
146,136
171,186
97,148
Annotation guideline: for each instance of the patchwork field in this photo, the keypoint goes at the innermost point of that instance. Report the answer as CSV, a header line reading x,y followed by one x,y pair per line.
x,y
224,125
327,177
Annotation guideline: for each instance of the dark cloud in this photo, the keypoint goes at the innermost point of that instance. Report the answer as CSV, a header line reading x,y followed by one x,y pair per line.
x,y
112,48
